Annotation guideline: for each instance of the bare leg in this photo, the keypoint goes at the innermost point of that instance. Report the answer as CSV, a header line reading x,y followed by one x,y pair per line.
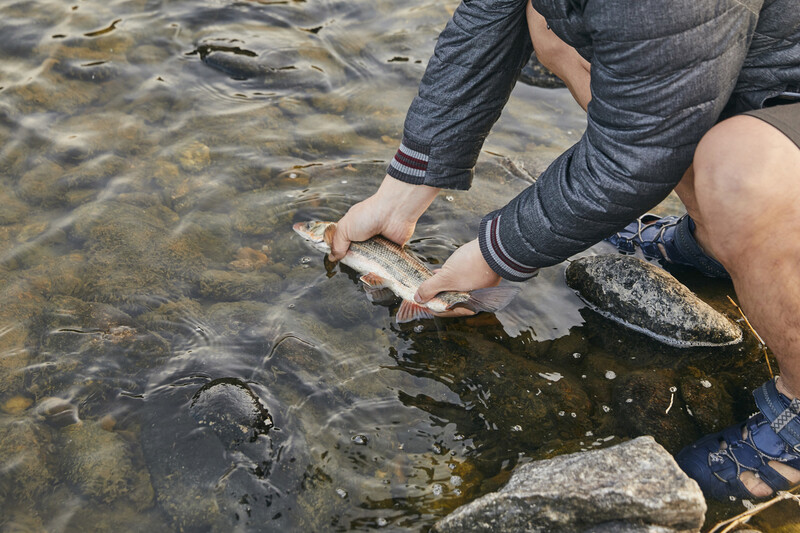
x,y
563,60
742,192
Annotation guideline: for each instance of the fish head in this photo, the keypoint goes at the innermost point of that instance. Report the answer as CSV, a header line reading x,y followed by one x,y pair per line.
x,y
317,233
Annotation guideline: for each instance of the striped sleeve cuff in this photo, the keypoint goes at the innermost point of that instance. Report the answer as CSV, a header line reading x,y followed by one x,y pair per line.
x,y
495,253
410,163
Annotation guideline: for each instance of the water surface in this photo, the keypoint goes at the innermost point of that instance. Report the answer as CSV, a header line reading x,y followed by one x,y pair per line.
x,y
153,157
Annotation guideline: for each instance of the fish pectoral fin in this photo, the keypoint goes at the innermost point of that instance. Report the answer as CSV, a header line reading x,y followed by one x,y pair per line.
x,y
490,299
411,311
379,295
373,281
327,237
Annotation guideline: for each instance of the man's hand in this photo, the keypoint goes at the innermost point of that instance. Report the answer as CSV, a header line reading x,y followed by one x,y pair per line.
x,y
465,270
392,211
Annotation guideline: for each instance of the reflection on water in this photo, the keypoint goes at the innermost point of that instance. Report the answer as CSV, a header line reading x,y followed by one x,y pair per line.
x,y
154,300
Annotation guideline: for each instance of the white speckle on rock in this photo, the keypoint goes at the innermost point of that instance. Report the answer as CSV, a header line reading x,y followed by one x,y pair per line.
x,y
610,374
705,383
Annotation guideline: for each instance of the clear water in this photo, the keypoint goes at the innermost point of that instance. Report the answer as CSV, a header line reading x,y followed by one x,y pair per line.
x,y
153,156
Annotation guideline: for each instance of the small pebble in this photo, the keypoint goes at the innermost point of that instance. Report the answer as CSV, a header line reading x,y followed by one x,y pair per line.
x,y
705,383
382,522
516,428
606,409
456,481
419,328
437,489
360,440
449,198
16,405
342,493
610,374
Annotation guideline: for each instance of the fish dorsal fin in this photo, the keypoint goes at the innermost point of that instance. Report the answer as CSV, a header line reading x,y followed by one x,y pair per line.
x,y
328,235
490,299
411,311
373,280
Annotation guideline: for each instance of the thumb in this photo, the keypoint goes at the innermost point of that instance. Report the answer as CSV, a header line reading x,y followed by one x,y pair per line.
x,y
340,243
431,287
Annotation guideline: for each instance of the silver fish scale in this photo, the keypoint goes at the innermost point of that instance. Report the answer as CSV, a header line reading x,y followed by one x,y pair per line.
x,y
404,267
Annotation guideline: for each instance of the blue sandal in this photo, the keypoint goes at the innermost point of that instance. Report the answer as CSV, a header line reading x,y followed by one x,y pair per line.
x,y
667,239
773,434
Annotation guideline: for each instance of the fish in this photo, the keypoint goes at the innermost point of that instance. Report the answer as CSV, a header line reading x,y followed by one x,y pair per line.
x,y
385,265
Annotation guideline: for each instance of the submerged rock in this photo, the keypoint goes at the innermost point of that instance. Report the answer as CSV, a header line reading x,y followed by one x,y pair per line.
x,y
26,472
634,486
100,464
649,300
231,410
647,402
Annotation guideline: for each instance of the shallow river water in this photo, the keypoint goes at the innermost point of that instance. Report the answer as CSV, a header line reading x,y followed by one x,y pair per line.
x,y
153,157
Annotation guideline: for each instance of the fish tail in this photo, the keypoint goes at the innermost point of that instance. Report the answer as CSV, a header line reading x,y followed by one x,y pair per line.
x,y
490,299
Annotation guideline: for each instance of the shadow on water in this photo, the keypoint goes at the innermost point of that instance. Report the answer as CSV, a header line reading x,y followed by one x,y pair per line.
x,y
173,356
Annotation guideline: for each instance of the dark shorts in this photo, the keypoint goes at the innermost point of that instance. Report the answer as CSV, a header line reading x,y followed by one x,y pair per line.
x,y
785,117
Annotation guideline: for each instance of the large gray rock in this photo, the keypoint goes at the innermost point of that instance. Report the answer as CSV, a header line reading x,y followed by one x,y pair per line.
x,y
648,299
632,487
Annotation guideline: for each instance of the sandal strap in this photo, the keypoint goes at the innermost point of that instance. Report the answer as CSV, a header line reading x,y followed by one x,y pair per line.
x,y
781,413
773,478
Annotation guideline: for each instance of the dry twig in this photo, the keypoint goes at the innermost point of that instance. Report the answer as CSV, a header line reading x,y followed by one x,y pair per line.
x,y
742,518
760,340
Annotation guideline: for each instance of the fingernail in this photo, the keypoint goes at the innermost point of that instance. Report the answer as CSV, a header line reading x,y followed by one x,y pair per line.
x,y
417,298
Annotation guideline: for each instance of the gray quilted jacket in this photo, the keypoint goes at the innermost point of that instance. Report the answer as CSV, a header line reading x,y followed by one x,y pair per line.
x,y
663,73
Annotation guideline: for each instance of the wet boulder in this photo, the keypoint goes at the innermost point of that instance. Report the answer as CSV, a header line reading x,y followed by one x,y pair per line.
x,y
231,409
648,299
634,486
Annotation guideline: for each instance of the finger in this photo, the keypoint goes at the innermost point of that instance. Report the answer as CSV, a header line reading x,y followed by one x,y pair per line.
x,y
456,312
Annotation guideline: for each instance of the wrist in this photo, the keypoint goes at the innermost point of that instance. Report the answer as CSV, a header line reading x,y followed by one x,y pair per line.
x,y
406,200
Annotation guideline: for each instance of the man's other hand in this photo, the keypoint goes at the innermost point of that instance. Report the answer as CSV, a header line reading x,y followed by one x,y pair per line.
x,y
465,270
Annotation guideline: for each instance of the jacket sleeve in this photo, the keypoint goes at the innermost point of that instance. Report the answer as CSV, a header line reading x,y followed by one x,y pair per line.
x,y
467,83
658,84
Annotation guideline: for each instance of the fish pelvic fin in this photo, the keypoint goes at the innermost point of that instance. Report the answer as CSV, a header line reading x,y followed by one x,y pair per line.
x,y
410,311
373,281
490,299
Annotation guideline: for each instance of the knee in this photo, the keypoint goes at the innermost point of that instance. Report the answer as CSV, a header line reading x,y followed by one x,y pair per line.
x,y
721,161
